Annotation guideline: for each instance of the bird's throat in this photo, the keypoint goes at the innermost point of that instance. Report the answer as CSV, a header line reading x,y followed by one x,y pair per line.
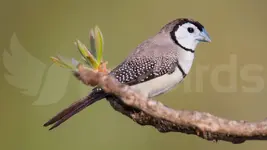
x,y
185,59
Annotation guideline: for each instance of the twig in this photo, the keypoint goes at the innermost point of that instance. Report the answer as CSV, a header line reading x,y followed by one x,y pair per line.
x,y
164,119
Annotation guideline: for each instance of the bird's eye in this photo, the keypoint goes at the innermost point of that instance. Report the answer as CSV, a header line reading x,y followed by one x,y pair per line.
x,y
190,29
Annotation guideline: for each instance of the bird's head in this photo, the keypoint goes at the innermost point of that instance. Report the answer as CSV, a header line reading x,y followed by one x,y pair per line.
x,y
187,33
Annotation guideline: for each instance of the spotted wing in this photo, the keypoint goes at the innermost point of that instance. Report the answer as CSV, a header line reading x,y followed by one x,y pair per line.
x,y
141,69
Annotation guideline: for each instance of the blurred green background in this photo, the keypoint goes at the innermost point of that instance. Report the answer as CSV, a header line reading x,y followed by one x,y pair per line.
x,y
45,28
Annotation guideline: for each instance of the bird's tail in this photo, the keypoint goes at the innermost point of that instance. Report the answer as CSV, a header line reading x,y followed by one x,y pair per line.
x,y
73,109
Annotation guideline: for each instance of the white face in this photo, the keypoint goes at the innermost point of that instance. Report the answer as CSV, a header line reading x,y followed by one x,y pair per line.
x,y
188,35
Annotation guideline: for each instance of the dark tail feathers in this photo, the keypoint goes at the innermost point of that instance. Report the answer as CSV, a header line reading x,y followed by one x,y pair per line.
x,y
72,110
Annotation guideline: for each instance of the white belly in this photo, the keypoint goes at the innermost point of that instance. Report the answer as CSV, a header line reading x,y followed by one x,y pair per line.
x,y
159,85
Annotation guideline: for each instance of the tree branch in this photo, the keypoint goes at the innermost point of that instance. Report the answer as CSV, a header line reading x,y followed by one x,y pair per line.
x,y
149,112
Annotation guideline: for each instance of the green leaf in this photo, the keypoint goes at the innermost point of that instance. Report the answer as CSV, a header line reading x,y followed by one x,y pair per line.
x,y
99,42
58,60
92,42
89,58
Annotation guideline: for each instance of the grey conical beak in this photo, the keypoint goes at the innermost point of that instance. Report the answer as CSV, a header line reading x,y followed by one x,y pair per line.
x,y
204,36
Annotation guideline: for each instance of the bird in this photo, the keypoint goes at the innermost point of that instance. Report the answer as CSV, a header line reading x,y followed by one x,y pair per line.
x,y
153,68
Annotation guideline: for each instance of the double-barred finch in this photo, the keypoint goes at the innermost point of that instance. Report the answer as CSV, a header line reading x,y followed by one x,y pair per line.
x,y
153,68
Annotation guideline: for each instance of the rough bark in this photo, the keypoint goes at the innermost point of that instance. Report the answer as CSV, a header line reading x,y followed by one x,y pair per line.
x,y
149,112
